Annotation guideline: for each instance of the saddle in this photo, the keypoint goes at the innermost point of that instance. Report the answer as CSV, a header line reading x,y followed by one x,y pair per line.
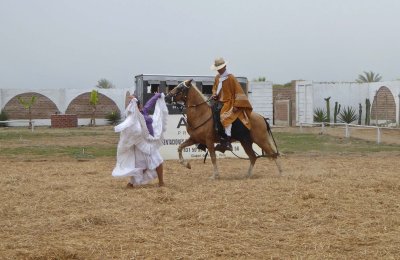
x,y
239,131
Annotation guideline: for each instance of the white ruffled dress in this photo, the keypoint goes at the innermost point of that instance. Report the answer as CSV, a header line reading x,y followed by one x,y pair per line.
x,y
138,152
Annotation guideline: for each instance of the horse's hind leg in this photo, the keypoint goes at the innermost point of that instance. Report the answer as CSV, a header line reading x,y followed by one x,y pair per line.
x,y
211,150
186,143
252,156
266,147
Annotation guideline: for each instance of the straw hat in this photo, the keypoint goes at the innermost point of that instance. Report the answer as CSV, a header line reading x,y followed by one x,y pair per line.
x,y
219,63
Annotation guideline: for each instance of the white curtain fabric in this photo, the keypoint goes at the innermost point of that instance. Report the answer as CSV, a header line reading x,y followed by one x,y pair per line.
x,y
138,152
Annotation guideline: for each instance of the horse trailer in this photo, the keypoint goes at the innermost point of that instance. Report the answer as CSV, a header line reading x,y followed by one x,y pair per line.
x,y
148,84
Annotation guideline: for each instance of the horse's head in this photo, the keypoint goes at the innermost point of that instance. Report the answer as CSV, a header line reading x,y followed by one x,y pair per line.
x,y
179,93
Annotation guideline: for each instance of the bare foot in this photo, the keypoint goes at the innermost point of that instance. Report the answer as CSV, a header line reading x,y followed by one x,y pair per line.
x,y
129,186
160,184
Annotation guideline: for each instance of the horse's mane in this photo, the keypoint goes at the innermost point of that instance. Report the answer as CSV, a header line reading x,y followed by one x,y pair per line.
x,y
198,91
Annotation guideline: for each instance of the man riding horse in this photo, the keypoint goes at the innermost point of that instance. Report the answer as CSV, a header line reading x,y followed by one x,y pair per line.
x,y
232,102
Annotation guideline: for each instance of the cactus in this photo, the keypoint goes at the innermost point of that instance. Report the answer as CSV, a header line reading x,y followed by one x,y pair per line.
x,y
336,112
359,113
367,112
328,110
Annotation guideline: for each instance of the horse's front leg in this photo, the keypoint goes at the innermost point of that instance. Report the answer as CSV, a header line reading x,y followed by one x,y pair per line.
x,y
211,150
186,143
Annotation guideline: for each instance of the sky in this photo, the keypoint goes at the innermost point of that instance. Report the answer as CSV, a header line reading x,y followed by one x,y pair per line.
x,y
75,43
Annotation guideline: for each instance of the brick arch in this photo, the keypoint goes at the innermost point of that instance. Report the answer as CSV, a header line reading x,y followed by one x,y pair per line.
x,y
43,108
81,107
384,105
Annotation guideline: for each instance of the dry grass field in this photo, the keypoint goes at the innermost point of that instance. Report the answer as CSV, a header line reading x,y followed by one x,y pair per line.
x,y
326,205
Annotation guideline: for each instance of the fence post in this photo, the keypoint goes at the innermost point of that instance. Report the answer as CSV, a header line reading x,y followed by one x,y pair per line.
x,y
378,135
301,127
322,127
347,131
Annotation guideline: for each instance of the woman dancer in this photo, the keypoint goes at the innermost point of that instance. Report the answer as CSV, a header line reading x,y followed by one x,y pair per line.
x,y
141,136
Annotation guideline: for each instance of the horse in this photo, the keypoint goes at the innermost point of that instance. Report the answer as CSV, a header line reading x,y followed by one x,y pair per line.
x,y
200,127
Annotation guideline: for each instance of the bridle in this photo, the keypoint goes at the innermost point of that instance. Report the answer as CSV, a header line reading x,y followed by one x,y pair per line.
x,y
183,89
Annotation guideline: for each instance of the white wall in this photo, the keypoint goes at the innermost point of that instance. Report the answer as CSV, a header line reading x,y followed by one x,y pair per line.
x,y
304,101
63,97
261,98
311,95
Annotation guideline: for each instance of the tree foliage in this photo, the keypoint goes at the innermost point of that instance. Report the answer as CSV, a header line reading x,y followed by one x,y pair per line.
x,y
27,104
93,100
369,77
104,83
260,79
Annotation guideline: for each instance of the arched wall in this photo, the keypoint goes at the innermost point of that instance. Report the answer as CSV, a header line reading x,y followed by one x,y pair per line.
x,y
42,108
384,105
62,98
81,107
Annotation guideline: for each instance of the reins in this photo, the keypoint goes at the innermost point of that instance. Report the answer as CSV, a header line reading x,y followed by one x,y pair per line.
x,y
181,107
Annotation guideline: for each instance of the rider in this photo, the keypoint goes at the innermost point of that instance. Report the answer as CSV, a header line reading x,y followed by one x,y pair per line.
x,y
234,101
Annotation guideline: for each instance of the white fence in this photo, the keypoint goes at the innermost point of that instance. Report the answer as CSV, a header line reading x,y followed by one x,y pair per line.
x,y
348,127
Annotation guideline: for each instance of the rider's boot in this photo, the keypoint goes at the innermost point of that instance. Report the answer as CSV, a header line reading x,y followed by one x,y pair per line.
x,y
224,145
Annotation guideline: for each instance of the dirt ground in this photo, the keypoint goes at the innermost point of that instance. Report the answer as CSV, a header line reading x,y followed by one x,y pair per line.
x,y
324,206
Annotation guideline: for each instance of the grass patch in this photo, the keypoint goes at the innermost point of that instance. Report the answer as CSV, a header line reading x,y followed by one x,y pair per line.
x,y
307,142
92,142
23,133
48,151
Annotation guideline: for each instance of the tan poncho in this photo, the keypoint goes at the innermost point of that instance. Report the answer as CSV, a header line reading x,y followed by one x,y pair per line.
x,y
232,95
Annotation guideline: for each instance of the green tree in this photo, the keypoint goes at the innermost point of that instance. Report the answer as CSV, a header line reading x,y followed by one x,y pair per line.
x,y
27,104
93,100
369,77
104,83
260,79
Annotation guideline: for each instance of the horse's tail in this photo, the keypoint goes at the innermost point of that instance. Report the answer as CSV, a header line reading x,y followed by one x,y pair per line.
x,y
273,143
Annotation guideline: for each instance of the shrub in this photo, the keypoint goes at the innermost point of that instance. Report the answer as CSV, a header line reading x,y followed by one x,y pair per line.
x,y
114,117
348,115
320,115
3,117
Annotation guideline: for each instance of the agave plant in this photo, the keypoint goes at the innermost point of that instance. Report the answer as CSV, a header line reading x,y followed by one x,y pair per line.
x,y
348,115
114,117
3,117
320,115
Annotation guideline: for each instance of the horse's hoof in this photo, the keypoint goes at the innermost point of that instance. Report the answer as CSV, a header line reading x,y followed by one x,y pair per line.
x,y
188,166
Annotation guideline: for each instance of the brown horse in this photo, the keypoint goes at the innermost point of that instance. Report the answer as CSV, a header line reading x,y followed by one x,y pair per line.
x,y
200,127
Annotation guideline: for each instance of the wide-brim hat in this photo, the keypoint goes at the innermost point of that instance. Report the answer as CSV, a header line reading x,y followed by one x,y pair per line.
x,y
219,63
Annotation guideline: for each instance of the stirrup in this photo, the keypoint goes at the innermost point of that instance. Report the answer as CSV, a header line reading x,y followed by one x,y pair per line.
x,y
222,147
